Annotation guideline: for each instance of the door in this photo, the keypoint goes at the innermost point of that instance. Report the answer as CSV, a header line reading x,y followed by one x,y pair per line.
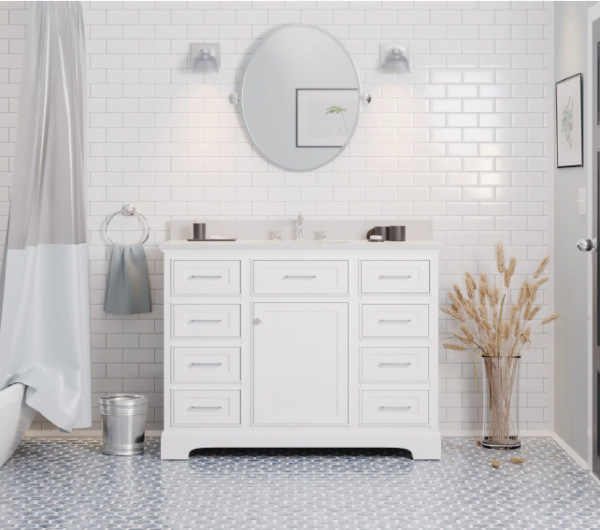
x,y
300,363
590,245
596,299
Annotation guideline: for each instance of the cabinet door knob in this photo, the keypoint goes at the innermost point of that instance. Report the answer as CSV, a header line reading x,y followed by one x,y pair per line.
x,y
257,321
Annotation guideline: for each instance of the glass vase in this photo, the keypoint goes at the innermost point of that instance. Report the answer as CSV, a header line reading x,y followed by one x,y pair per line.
x,y
501,402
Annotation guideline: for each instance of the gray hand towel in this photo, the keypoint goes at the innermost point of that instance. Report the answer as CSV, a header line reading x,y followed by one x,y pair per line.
x,y
128,287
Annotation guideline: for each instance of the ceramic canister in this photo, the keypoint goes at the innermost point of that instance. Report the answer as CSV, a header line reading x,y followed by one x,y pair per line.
x,y
396,233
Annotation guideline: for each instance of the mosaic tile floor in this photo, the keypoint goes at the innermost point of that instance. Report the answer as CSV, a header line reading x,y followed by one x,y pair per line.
x,y
69,484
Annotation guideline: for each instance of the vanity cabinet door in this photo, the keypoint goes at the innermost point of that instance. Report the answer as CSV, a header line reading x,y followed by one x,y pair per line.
x,y
300,363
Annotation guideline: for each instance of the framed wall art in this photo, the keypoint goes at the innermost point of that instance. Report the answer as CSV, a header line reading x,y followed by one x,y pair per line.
x,y
569,122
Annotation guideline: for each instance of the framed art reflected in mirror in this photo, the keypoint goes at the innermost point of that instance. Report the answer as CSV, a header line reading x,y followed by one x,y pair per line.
x,y
569,122
325,116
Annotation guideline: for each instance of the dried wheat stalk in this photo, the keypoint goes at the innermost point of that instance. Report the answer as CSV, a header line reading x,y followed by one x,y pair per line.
x,y
494,325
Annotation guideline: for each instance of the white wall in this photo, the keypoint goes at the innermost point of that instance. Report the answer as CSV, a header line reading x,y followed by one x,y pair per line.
x,y
463,140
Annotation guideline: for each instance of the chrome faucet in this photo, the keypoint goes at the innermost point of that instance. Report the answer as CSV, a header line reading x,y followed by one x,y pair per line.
x,y
299,221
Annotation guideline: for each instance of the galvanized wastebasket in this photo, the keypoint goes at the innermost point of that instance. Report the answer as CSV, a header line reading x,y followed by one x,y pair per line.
x,y
123,423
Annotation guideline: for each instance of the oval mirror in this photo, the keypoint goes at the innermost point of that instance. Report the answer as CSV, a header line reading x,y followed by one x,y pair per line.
x,y
300,98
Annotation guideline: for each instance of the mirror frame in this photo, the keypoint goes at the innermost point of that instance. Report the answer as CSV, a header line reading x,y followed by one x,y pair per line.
x,y
243,81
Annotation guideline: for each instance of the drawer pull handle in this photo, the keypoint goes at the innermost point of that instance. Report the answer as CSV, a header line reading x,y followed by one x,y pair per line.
x,y
408,407
394,364
392,321
205,408
398,277
202,277
206,364
207,320
299,277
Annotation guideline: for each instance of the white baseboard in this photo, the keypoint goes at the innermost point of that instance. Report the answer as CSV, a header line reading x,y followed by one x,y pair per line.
x,y
83,433
564,445
80,433
571,452
477,433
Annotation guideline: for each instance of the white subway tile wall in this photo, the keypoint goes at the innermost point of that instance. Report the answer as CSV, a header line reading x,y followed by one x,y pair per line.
x,y
464,140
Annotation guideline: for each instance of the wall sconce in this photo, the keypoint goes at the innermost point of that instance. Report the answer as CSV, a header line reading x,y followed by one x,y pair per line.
x,y
205,58
394,58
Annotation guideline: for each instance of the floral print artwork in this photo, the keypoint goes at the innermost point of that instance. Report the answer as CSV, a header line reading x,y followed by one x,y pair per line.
x,y
567,123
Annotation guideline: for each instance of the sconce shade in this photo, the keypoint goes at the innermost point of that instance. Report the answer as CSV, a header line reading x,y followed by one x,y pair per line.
x,y
396,61
205,63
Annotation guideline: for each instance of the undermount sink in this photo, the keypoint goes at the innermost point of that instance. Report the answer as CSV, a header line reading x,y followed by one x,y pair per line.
x,y
308,241
315,241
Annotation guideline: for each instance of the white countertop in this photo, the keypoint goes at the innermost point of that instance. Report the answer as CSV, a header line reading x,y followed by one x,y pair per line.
x,y
247,244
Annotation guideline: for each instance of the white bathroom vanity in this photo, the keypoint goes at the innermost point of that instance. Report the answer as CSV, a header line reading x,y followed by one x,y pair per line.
x,y
301,344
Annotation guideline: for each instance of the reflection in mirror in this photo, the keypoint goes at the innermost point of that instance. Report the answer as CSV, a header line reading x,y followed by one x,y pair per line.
x,y
300,98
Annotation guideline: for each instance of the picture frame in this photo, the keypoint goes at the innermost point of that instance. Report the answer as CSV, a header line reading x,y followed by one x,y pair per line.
x,y
569,122
325,117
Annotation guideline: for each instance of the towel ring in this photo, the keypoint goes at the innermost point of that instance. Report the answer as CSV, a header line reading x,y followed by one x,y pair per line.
x,y
127,210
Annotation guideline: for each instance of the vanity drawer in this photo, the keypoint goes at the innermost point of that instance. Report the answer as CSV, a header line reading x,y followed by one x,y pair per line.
x,y
381,277
206,320
206,407
206,365
300,277
206,277
395,406
394,364
395,320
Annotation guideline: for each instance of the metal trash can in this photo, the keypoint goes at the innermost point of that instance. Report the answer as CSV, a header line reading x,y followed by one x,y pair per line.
x,y
123,423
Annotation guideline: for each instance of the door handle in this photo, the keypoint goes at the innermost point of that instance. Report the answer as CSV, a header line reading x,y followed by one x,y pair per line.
x,y
585,245
258,321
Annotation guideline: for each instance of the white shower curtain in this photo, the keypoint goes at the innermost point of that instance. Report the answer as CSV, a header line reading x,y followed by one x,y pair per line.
x,y
44,326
